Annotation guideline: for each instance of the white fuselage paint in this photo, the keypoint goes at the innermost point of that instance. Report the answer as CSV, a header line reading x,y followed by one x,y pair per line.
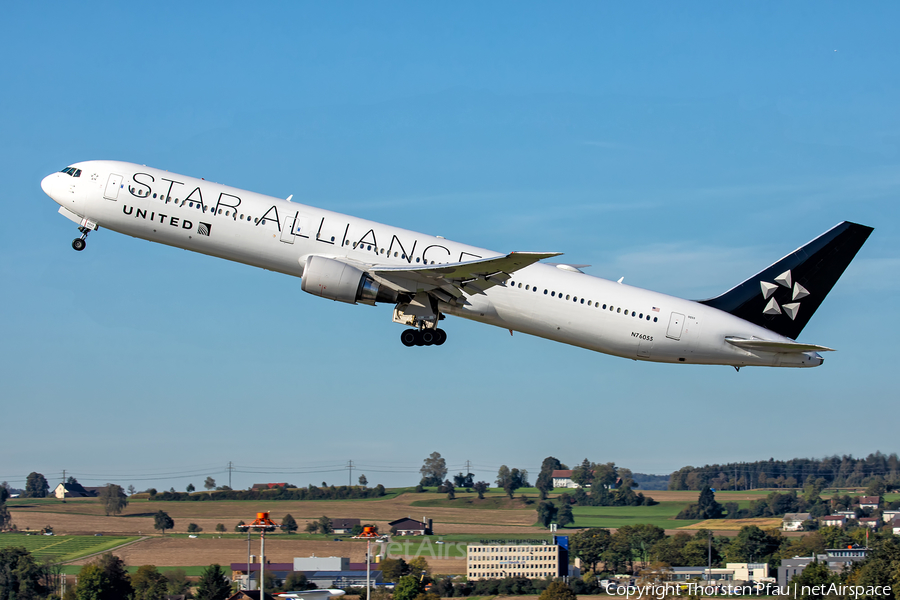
x,y
170,209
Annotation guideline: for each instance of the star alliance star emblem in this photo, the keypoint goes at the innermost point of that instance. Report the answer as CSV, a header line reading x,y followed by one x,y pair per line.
x,y
797,292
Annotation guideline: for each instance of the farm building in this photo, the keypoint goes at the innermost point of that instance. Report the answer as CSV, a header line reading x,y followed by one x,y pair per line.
x,y
74,490
344,525
562,478
409,526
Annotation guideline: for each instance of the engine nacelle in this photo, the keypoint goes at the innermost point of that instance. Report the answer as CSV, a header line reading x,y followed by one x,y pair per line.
x,y
339,281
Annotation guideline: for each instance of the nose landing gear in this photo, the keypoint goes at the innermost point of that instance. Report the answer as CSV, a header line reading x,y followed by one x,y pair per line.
x,y
80,242
425,337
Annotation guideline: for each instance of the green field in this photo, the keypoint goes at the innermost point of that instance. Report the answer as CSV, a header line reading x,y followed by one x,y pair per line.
x,y
63,547
661,515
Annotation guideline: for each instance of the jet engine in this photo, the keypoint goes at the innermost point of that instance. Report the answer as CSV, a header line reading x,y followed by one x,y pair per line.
x,y
339,281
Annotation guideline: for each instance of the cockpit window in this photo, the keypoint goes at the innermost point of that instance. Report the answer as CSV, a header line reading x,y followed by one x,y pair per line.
x,y
72,171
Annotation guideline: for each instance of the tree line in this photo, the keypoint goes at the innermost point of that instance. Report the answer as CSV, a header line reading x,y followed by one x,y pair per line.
x,y
835,471
344,492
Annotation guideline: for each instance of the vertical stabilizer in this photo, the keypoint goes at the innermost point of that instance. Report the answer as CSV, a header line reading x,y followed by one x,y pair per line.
x,y
784,296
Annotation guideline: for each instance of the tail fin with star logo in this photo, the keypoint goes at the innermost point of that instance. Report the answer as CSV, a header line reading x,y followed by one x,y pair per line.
x,y
784,296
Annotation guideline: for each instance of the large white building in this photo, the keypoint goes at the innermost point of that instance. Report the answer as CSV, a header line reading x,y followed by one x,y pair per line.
x,y
527,558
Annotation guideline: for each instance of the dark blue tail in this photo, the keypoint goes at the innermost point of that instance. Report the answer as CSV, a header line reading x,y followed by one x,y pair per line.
x,y
784,296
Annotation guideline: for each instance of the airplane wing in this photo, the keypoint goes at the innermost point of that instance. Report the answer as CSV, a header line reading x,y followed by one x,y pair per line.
x,y
773,346
451,281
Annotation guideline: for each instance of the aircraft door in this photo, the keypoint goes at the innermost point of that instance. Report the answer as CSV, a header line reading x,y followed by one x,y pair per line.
x,y
676,324
287,230
113,185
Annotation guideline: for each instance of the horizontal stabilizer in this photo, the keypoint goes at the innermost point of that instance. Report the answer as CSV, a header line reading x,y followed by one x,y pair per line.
x,y
774,346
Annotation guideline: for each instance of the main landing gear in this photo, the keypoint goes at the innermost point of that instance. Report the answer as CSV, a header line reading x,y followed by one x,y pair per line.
x,y
425,337
80,242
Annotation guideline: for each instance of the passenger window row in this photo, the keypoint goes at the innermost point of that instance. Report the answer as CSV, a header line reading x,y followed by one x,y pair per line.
x,y
377,250
553,294
225,212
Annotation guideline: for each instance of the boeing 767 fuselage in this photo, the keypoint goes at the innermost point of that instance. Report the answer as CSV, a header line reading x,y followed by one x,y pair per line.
x,y
343,258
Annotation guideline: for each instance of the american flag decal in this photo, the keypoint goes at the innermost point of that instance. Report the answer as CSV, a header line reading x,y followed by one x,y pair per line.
x,y
204,229
655,309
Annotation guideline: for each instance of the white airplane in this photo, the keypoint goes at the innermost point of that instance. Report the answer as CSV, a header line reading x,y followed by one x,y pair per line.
x,y
426,277
312,594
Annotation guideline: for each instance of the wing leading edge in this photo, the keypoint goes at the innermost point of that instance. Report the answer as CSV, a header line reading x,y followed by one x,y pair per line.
x,y
456,279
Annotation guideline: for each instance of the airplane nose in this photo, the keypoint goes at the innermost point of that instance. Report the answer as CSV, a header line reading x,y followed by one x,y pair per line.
x,y
47,184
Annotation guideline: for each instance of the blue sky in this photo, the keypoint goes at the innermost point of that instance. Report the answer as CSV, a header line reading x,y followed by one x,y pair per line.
x,y
682,147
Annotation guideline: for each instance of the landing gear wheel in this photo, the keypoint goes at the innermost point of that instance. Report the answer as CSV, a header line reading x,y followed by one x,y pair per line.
x,y
428,337
78,244
408,337
440,336
419,340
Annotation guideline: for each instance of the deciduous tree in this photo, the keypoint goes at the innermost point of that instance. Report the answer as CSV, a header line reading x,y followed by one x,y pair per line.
x,y
149,584
565,516
36,486
419,567
190,488
104,579
162,521
194,528
5,517
407,588
325,525
618,554
220,527
481,487
605,476
544,482
752,544
113,499
210,483
546,511
590,544
558,590
447,488
511,479
434,469
392,569
177,582
363,481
